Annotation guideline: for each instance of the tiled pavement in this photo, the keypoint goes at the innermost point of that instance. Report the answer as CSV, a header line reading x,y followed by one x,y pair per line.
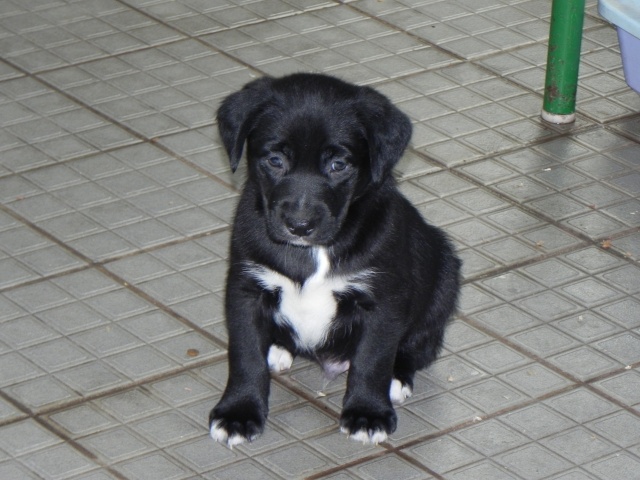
x,y
116,199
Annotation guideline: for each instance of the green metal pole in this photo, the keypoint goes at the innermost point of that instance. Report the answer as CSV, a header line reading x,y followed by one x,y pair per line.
x,y
563,60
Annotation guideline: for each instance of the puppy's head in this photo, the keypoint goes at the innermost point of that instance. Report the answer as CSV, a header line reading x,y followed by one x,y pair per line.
x,y
315,144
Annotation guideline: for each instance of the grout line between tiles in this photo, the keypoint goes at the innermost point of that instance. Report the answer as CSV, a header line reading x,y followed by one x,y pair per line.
x,y
94,264
53,409
585,239
78,447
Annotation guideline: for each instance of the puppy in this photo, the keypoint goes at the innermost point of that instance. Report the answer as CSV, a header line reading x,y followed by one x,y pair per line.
x,y
328,260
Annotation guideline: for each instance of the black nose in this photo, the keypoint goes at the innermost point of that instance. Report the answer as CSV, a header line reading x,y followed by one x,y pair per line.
x,y
300,228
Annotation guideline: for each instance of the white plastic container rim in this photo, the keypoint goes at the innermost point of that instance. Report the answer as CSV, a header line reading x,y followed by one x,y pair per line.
x,y
624,14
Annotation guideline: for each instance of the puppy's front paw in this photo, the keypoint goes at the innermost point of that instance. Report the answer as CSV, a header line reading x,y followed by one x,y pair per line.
x,y
238,424
368,425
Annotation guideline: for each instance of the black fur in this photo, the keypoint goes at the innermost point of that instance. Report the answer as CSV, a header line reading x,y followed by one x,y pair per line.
x,y
320,154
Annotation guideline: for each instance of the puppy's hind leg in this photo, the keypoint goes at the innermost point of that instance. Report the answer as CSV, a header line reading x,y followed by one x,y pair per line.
x,y
279,359
399,391
404,370
411,357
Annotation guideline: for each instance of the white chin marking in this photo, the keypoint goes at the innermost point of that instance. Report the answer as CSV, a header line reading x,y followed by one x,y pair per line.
x,y
399,392
220,435
366,437
279,359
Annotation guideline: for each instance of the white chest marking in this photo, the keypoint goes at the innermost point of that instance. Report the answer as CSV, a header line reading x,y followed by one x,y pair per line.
x,y
309,309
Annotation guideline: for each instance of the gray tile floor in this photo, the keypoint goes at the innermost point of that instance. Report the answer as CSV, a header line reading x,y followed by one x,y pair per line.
x,y
116,200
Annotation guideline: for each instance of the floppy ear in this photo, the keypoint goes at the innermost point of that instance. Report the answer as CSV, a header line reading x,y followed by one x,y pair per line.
x,y
237,114
388,132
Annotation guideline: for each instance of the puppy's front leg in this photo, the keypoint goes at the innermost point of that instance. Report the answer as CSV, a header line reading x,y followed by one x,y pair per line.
x,y
241,413
367,413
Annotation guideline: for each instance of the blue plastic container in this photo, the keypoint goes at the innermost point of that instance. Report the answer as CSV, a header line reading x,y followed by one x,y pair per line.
x,y
625,15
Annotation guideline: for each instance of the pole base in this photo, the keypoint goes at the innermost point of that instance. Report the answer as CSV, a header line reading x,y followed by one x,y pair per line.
x,y
558,119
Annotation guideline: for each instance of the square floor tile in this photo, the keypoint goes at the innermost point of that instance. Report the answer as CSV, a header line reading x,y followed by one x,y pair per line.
x,y
443,455
491,437
533,461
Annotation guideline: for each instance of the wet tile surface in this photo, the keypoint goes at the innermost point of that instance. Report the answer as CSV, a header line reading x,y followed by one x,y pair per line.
x,y
116,202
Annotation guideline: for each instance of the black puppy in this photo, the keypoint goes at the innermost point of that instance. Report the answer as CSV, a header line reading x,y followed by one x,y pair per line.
x,y
328,260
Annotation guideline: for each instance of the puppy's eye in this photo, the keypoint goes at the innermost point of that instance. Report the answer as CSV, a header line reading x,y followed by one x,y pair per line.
x,y
338,165
275,162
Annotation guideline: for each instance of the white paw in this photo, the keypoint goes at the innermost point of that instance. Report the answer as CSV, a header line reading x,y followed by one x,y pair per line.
x,y
399,392
279,359
366,437
220,435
